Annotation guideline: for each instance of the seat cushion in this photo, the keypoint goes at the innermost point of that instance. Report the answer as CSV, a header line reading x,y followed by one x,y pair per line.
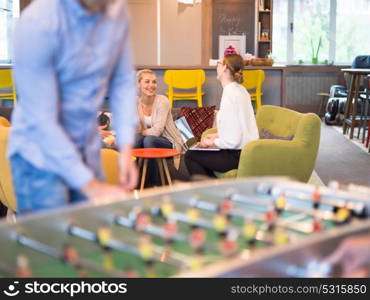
x,y
265,134
228,174
198,118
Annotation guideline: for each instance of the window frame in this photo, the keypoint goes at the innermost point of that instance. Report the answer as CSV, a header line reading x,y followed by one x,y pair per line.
x,y
290,59
12,12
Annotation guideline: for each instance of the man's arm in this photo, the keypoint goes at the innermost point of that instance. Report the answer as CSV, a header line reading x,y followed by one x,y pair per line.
x,y
123,105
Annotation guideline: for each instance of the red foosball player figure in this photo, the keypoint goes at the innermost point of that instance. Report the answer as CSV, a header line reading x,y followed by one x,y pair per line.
x,y
142,221
71,256
130,273
225,207
271,217
317,225
316,198
229,244
169,230
197,239
23,269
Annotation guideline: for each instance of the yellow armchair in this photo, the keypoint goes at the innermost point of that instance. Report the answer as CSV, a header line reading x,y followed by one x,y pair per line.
x,y
272,157
7,196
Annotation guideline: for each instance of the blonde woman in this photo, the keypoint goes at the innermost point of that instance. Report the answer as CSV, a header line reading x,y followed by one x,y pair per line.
x,y
236,124
156,126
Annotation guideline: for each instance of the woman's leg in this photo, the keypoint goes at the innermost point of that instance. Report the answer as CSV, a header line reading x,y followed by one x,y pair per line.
x,y
205,162
151,141
139,141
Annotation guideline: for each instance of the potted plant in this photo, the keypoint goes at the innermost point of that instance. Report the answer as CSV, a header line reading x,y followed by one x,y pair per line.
x,y
315,54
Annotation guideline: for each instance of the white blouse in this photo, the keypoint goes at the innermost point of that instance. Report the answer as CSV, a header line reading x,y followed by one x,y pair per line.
x,y
236,123
148,121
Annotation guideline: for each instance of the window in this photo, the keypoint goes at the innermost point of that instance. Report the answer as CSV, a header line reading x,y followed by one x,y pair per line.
x,y
311,27
9,13
341,25
353,24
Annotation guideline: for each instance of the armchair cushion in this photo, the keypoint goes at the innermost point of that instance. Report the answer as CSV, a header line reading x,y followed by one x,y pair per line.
x,y
265,134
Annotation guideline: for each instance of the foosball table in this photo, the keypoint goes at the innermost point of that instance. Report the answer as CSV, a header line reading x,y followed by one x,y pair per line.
x,y
221,228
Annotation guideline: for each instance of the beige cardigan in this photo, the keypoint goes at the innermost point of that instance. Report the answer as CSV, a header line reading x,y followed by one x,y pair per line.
x,y
163,124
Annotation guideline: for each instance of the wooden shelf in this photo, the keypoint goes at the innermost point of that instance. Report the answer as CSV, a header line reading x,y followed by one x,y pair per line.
x,y
264,27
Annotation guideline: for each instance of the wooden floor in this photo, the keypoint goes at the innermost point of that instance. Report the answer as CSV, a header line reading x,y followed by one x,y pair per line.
x,y
341,160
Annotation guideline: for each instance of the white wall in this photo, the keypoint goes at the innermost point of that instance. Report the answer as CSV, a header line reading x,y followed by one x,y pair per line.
x,y
180,34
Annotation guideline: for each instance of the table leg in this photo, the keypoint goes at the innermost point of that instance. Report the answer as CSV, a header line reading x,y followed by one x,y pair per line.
x,y
143,174
140,163
368,137
366,112
168,176
354,105
160,167
349,102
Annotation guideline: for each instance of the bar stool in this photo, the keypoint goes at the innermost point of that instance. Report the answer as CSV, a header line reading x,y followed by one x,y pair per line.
x,y
160,155
350,115
368,135
364,118
323,102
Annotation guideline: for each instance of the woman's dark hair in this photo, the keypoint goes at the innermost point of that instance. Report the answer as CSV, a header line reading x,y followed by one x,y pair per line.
x,y
235,64
104,120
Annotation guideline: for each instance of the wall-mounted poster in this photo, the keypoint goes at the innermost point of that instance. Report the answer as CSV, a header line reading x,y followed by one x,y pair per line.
x,y
236,41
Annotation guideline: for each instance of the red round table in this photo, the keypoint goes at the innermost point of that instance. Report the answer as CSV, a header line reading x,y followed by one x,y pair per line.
x,y
160,155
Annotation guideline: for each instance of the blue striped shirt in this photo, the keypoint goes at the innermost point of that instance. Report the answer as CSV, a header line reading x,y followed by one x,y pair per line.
x,y
66,62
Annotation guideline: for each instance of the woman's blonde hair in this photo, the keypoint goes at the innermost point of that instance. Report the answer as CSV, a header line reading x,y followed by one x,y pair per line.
x,y
235,64
139,74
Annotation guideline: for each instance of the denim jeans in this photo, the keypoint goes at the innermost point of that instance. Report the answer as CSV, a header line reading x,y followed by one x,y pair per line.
x,y
151,141
37,189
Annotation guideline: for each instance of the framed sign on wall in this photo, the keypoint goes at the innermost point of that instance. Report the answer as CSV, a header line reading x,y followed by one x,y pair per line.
x,y
236,41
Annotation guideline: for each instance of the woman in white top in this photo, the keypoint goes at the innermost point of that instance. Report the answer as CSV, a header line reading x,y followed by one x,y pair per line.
x,y
156,126
236,124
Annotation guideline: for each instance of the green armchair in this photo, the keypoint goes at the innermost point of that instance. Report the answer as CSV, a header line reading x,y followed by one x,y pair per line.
x,y
272,157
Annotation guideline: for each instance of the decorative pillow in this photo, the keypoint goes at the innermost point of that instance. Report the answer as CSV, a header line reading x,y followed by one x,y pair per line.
x,y
199,118
265,134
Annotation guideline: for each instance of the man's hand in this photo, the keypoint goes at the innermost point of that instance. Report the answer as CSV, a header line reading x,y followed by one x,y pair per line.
x,y
353,254
128,169
97,189
104,132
